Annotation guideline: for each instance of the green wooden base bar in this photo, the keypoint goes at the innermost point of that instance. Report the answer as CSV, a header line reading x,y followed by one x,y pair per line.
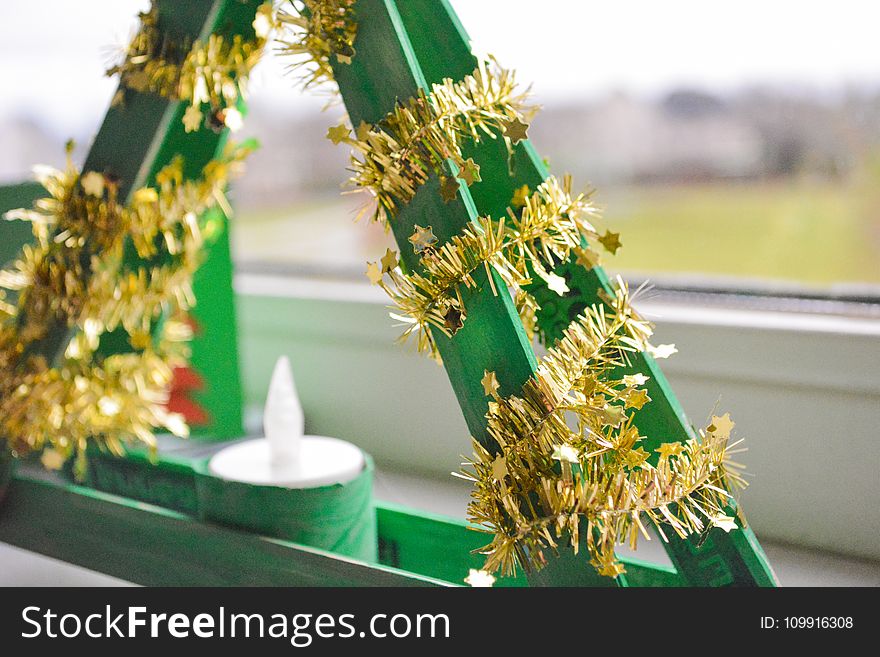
x,y
155,546
152,534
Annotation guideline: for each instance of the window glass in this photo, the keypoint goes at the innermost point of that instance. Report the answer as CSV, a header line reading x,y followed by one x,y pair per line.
x,y
727,144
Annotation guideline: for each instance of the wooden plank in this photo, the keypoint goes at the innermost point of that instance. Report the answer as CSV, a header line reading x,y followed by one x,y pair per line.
x,y
152,546
442,49
136,140
214,355
384,72
444,548
155,546
431,545
415,541
15,234
213,315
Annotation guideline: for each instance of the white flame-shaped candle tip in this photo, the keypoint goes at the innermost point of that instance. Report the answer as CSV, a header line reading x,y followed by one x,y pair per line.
x,y
283,421
285,457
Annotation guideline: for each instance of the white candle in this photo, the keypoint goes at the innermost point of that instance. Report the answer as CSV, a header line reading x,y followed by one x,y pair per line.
x,y
283,421
286,457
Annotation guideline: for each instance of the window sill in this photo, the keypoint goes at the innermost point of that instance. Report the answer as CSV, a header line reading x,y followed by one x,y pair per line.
x,y
801,387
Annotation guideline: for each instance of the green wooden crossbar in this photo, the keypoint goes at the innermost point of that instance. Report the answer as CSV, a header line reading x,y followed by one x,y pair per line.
x,y
156,545
406,46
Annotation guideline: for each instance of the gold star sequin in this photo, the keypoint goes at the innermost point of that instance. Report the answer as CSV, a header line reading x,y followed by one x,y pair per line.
x,y
422,239
565,453
145,195
233,119
338,133
587,258
721,426
453,319
363,131
389,260
611,241
662,350
557,284
448,188
490,383
52,459
520,195
499,468
637,379
93,183
727,523
470,172
635,458
611,569
192,118
141,339
669,449
636,398
264,21
613,415
516,130
374,273
479,578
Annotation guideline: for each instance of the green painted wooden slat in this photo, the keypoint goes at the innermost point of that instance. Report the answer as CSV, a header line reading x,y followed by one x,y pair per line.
x,y
155,546
141,136
386,71
152,546
214,314
138,162
135,141
431,545
383,72
215,342
15,234
439,43
414,541
442,48
443,547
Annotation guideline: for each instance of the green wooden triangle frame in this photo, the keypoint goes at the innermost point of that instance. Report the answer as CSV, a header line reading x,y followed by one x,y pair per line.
x,y
402,46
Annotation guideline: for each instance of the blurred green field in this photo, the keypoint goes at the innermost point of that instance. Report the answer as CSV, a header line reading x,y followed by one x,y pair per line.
x,y
812,233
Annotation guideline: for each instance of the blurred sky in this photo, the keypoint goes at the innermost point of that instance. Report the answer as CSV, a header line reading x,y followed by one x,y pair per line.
x,y
53,52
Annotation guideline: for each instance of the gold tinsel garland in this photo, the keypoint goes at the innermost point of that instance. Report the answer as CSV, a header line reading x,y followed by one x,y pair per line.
x,y
551,224
74,280
393,158
214,71
550,484
316,33
547,484
58,388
